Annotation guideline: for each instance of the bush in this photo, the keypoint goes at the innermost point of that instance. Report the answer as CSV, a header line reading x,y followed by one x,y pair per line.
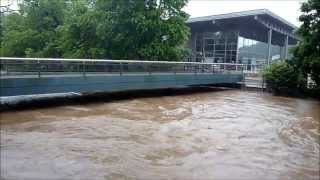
x,y
284,78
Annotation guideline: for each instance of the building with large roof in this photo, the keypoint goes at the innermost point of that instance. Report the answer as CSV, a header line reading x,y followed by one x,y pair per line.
x,y
253,37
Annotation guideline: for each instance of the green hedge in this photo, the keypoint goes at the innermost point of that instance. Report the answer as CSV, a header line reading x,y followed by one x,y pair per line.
x,y
284,78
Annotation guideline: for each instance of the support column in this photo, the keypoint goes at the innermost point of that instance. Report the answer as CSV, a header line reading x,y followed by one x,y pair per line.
x,y
237,50
203,50
286,47
214,50
225,49
269,57
194,55
281,53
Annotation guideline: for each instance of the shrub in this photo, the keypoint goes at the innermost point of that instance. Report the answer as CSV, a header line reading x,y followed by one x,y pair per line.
x,y
283,78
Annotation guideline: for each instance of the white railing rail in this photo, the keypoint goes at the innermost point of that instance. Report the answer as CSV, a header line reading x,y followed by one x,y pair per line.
x,y
114,61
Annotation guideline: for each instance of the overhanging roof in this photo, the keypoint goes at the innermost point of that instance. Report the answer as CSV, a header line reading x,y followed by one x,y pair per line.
x,y
243,14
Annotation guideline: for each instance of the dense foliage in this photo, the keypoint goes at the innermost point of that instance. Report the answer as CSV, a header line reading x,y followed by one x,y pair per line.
x,y
32,31
307,54
284,78
115,29
291,76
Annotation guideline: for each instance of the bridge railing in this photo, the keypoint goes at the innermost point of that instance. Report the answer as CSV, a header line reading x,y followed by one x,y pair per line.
x,y
41,67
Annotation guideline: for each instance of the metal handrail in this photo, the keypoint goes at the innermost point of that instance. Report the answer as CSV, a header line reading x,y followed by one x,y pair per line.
x,y
116,61
21,67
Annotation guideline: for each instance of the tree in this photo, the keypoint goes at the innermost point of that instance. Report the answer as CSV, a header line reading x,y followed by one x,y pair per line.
x,y
31,32
123,29
307,54
116,29
15,37
85,33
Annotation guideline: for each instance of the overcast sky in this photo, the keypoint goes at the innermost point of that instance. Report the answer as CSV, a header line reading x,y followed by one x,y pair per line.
x,y
287,9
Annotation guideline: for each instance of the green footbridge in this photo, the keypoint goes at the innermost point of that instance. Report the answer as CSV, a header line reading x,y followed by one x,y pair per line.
x,y
29,76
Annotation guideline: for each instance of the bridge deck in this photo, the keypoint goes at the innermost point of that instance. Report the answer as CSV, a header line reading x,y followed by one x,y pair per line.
x,y
31,84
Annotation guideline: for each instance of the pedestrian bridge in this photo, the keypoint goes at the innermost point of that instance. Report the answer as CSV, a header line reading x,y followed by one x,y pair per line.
x,y
27,76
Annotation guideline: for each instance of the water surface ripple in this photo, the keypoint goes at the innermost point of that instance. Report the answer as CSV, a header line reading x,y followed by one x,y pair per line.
x,y
217,135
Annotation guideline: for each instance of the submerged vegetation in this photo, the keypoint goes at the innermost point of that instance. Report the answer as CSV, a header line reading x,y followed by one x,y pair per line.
x,y
290,77
115,29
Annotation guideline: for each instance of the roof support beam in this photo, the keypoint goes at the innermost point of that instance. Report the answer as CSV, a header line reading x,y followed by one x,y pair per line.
x,y
274,28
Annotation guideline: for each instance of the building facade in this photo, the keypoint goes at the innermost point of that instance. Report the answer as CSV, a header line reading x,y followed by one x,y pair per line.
x,y
255,37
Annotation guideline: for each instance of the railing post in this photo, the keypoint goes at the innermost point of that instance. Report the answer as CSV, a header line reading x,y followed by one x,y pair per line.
x,y
39,69
7,70
174,69
149,69
121,69
212,66
83,68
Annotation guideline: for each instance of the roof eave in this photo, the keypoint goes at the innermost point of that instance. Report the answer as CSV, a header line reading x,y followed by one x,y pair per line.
x,y
241,14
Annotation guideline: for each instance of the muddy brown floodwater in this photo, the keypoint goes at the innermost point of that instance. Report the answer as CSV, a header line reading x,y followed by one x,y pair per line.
x,y
215,135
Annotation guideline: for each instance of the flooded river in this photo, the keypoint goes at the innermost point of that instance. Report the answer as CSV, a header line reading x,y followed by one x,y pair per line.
x,y
228,134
